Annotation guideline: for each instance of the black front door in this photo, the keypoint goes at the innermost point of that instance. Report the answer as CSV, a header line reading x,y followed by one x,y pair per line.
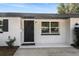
x,y
28,31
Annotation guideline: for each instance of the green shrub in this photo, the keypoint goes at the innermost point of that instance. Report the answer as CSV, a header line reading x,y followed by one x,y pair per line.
x,y
76,40
10,42
76,32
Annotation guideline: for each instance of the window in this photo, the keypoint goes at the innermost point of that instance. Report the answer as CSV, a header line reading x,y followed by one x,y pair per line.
x,y
50,28
45,27
3,25
54,28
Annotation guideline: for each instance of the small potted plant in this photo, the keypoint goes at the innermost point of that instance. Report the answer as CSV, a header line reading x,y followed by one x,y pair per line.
x,y
10,42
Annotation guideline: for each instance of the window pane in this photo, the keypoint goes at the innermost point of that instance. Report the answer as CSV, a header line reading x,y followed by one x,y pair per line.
x,y
0,22
45,30
54,30
54,24
5,25
1,28
45,24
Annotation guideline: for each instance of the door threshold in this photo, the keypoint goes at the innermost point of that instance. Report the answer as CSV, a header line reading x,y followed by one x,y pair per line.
x,y
24,44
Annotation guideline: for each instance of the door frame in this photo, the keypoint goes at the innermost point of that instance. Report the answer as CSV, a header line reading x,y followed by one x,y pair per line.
x,y
23,30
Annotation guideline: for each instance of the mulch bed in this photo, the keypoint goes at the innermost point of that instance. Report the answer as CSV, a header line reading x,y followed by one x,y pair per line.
x,y
6,51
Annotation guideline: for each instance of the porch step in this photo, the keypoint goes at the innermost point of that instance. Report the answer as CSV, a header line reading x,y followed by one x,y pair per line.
x,y
42,46
24,44
45,46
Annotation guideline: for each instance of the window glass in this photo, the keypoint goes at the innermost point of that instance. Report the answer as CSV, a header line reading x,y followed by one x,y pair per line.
x,y
45,24
1,26
50,28
45,30
0,22
54,24
5,25
54,30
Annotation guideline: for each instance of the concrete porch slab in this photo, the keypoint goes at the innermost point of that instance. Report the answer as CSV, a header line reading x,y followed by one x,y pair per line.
x,y
55,51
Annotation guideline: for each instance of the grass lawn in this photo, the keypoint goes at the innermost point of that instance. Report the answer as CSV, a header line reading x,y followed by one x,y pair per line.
x,y
6,51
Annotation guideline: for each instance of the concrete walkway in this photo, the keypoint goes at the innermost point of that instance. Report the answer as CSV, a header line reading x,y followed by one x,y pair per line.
x,y
59,51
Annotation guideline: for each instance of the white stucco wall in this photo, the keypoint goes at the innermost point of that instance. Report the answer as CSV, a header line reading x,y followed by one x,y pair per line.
x,y
73,21
63,38
13,31
16,28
